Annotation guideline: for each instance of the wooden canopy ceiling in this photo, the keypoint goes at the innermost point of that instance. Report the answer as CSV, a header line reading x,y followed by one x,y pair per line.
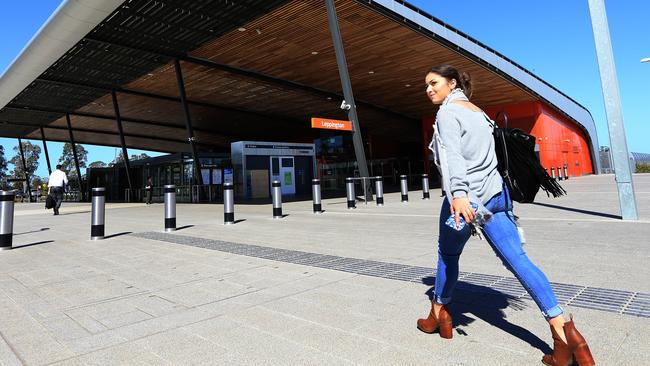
x,y
262,79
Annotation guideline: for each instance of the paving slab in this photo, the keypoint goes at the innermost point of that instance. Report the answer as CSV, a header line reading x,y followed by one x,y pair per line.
x,y
344,287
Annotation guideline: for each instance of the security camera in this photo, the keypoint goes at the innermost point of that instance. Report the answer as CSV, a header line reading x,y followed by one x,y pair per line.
x,y
345,106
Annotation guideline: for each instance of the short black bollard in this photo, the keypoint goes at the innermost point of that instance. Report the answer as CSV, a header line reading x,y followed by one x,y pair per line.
x,y
6,219
404,187
566,171
553,173
379,188
170,207
98,208
228,204
276,192
559,173
425,187
315,190
349,188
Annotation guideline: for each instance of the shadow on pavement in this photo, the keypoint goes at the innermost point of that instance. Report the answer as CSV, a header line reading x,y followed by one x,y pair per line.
x,y
32,244
337,203
488,305
184,227
118,234
73,213
33,231
586,212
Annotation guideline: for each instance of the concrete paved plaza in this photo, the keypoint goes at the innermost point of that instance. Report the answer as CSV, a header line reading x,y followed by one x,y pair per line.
x,y
345,287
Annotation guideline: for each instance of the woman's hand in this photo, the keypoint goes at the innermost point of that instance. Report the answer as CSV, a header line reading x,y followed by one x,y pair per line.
x,y
461,206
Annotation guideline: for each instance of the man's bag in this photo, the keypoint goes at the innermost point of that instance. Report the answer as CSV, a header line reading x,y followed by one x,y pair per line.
x,y
519,166
50,202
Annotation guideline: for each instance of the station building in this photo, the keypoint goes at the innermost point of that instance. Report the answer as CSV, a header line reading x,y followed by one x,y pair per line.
x,y
195,77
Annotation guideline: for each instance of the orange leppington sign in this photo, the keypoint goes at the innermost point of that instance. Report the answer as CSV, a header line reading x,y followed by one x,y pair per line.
x,y
331,124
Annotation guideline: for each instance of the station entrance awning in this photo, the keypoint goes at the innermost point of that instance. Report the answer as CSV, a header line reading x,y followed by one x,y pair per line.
x,y
254,70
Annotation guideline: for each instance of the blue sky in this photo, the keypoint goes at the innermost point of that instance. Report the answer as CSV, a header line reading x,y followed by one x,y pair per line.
x,y
551,38
19,22
554,40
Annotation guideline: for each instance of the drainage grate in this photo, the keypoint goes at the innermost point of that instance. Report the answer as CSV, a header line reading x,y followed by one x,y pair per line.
x,y
604,299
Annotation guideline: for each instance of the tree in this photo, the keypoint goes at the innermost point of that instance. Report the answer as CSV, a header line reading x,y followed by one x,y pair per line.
x,y
67,162
139,156
3,167
32,152
97,164
119,160
38,181
67,158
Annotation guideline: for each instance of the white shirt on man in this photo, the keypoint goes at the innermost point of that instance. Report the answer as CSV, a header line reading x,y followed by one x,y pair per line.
x,y
57,179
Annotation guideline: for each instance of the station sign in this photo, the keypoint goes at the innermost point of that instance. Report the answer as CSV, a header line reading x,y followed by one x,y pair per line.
x,y
331,124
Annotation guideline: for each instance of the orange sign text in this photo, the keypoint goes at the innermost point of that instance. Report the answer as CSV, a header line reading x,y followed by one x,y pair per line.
x,y
331,124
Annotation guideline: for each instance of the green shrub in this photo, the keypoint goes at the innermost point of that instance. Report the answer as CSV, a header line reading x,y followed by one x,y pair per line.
x,y
642,168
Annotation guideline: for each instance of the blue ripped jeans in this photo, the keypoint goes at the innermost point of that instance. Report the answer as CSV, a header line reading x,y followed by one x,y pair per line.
x,y
501,233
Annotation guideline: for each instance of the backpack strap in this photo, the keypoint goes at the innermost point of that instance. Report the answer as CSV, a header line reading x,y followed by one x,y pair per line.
x,y
505,118
498,132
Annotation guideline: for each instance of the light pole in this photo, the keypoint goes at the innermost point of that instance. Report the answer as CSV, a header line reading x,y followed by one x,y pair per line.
x,y
613,110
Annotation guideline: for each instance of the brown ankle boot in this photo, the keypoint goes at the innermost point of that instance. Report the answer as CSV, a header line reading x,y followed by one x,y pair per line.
x,y
575,348
443,323
578,344
561,355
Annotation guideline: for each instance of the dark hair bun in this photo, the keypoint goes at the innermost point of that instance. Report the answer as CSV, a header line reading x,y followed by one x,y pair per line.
x,y
466,83
463,80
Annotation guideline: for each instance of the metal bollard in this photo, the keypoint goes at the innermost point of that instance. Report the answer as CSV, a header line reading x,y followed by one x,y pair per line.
x,y
566,171
404,187
559,173
553,173
276,192
349,188
170,207
315,189
97,219
6,219
379,188
425,187
228,204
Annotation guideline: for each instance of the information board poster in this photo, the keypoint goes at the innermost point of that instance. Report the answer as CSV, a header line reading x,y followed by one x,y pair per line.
x,y
216,176
227,175
205,174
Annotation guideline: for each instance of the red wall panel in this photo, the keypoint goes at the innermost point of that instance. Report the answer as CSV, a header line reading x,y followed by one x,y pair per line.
x,y
560,140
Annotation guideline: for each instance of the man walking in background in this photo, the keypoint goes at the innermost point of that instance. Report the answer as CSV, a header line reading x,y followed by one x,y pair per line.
x,y
56,185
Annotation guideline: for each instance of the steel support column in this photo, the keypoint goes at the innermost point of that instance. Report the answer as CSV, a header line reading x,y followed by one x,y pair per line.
x,y
22,157
620,155
188,122
47,156
125,153
76,158
349,103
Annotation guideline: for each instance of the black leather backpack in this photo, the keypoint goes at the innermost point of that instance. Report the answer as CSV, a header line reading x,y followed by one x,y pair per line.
x,y
518,164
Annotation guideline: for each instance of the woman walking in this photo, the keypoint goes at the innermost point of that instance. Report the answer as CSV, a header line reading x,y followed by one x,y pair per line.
x,y
475,193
